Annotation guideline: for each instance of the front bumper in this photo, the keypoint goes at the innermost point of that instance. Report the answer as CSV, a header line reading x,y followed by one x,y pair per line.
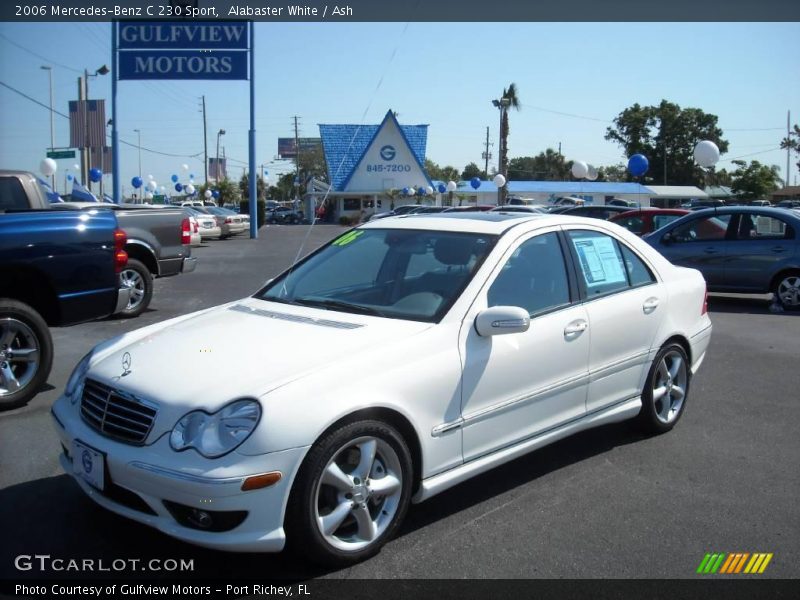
x,y
123,296
141,482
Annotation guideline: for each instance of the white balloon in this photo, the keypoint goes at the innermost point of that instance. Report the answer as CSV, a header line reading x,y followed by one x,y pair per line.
x,y
150,177
208,194
163,189
189,189
452,186
592,173
428,190
48,166
411,191
185,167
152,185
499,180
76,166
148,196
706,153
579,169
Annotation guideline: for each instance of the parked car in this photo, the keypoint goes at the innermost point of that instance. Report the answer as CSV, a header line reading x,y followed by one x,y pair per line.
x,y
285,215
788,204
698,204
621,202
220,221
471,208
739,249
195,239
569,201
207,224
427,210
527,209
400,210
602,211
233,220
57,268
760,203
647,220
476,338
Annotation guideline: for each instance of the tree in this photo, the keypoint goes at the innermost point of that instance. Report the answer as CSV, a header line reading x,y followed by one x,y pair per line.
x,y
312,164
244,187
754,181
228,191
546,166
614,173
508,100
434,171
668,131
470,171
792,141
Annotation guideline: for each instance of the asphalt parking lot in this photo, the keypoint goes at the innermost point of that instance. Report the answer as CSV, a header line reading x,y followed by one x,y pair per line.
x,y
606,503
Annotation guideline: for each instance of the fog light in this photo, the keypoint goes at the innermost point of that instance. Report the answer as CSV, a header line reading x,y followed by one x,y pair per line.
x,y
200,518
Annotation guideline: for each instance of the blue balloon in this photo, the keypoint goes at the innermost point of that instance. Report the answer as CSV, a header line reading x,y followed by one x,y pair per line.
x,y
421,191
136,182
69,177
638,165
95,175
475,183
442,188
191,175
174,179
215,193
405,191
178,187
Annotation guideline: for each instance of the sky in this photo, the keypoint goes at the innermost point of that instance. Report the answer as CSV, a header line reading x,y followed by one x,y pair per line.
x,y
572,80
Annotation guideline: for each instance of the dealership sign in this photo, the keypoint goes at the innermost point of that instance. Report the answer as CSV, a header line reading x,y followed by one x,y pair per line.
x,y
179,50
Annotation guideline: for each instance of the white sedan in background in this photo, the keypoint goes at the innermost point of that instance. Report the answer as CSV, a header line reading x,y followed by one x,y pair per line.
x,y
207,225
400,359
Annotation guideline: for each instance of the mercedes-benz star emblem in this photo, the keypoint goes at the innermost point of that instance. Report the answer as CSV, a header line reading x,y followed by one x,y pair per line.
x,y
126,363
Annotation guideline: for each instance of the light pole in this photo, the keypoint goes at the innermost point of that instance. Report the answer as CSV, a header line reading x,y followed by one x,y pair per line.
x,y
221,132
83,94
49,70
502,105
139,146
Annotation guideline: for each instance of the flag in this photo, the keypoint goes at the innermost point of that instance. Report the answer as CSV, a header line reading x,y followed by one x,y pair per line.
x,y
51,195
81,194
79,112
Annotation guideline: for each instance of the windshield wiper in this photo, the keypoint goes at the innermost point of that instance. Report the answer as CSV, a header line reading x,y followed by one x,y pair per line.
x,y
277,299
340,305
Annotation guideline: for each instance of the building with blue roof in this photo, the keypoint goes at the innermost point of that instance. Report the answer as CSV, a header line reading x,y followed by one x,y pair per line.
x,y
369,166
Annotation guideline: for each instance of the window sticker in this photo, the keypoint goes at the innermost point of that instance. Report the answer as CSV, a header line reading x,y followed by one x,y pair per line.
x,y
347,238
599,261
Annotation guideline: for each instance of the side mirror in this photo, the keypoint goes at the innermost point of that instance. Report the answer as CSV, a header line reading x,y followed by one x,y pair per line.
x,y
500,320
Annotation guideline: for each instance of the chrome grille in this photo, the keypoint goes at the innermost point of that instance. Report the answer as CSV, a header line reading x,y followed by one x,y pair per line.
x,y
116,414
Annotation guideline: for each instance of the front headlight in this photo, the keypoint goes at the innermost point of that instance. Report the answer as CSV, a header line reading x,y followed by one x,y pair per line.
x,y
75,382
214,435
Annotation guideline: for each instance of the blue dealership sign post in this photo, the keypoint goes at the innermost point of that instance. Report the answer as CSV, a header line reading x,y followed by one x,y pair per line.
x,y
197,50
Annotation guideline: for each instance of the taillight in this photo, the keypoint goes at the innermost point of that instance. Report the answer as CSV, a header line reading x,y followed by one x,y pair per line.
x,y
186,232
120,256
228,220
705,303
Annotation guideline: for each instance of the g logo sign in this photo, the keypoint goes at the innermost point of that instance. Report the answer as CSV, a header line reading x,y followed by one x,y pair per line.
x,y
388,153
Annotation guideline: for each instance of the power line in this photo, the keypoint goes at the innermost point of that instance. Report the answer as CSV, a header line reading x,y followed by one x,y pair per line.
x,y
39,56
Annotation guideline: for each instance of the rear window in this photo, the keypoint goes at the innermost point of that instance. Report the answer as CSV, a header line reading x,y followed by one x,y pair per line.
x,y
12,194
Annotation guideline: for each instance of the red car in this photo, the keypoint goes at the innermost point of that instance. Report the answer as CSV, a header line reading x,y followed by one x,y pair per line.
x,y
647,220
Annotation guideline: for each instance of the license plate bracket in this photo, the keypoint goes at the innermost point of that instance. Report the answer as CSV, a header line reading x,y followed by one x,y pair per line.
x,y
89,464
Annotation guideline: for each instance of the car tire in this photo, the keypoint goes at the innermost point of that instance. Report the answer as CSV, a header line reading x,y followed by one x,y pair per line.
x,y
137,277
345,505
666,390
787,290
22,329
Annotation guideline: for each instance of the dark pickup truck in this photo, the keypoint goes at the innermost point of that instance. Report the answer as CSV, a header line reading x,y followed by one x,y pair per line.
x,y
56,268
158,238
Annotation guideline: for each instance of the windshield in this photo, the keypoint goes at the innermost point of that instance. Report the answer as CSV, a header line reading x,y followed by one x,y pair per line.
x,y
395,273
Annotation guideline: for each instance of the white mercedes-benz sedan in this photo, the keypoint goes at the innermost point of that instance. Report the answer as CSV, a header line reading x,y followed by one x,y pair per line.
x,y
400,359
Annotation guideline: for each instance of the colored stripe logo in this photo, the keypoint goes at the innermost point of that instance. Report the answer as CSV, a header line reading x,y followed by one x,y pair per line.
x,y
734,563
347,238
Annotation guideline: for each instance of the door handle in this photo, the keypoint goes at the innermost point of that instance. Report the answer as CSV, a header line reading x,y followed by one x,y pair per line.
x,y
711,251
650,305
777,249
575,328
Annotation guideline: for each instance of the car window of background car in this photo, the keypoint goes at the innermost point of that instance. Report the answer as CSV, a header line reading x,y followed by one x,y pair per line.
x,y
632,224
660,220
762,227
703,229
600,261
533,278
12,195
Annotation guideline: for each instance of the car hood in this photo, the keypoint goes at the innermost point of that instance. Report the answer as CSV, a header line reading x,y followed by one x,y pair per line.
x,y
243,349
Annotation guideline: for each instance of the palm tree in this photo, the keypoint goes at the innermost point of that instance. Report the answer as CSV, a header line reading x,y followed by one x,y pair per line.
x,y
509,99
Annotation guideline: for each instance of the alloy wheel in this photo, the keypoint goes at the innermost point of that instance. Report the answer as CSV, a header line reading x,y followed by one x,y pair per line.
x,y
135,282
789,291
669,386
19,355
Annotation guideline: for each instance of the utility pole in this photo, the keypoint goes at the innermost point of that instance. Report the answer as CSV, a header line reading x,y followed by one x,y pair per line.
x,y
296,160
486,155
205,143
788,147
52,126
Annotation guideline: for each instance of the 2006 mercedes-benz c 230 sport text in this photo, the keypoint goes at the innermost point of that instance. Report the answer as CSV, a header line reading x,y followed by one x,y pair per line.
x,y
402,358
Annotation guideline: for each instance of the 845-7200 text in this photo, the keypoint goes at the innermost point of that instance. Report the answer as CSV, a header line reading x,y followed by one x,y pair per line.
x,y
388,168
